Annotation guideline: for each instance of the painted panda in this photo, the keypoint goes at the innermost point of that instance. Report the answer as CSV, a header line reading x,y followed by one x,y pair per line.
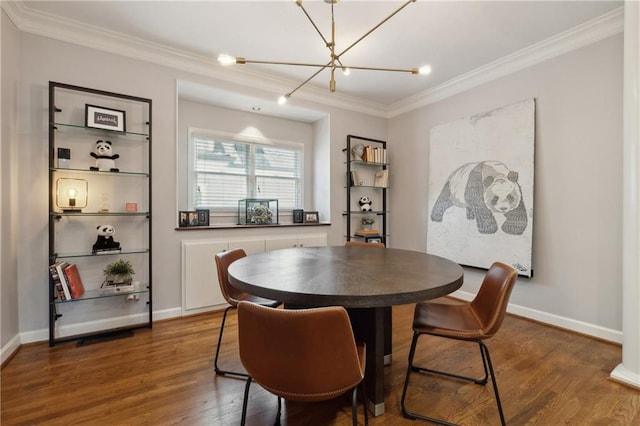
x,y
484,188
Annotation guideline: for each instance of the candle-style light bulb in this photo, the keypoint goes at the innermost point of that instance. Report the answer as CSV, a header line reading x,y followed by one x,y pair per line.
x,y
72,192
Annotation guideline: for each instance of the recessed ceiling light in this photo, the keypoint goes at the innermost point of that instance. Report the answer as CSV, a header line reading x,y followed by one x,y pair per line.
x,y
256,108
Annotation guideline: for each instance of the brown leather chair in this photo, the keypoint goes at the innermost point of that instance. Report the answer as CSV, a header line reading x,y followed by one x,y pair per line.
x,y
472,321
300,354
362,244
232,295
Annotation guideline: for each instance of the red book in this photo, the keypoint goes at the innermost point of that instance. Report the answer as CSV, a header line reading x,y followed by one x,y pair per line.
x,y
75,282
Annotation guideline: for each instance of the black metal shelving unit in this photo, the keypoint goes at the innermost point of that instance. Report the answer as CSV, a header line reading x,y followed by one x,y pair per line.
x,y
67,125
364,166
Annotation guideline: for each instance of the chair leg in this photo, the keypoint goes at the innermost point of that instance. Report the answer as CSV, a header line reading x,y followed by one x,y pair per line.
x,y
485,351
488,369
245,401
219,371
354,406
406,413
364,403
482,381
279,413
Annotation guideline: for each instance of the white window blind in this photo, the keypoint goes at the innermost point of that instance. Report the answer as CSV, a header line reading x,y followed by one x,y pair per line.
x,y
225,171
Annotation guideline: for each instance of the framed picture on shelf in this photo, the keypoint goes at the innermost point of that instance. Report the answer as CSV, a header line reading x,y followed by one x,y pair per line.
x,y
298,216
183,219
193,218
311,217
203,217
105,118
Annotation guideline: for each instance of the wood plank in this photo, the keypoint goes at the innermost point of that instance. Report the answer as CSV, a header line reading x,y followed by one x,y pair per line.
x,y
165,375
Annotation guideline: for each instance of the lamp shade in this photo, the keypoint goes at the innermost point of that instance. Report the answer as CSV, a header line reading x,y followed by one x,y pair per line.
x,y
71,194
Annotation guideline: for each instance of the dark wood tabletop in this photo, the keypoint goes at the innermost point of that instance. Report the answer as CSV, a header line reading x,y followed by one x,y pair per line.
x,y
367,281
354,277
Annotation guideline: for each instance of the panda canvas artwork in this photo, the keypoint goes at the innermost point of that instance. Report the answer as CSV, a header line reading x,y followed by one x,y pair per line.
x,y
480,191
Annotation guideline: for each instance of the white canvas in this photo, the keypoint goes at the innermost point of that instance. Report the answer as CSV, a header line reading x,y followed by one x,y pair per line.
x,y
480,199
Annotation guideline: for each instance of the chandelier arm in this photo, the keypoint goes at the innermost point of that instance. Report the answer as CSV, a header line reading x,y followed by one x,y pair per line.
x,y
307,80
297,64
326,43
375,28
409,70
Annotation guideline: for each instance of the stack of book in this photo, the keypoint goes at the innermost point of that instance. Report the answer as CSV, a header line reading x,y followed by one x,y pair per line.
x,y
66,280
374,155
367,233
381,179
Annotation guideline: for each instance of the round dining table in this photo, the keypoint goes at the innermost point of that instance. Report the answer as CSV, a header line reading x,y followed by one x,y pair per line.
x,y
364,280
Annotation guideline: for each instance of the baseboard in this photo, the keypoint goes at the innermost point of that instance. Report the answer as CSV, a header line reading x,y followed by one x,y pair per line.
x,y
7,351
91,326
581,327
622,375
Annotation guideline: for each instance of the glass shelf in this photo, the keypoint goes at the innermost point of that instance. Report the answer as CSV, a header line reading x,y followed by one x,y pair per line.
x,y
104,253
120,173
101,131
378,212
369,186
94,294
98,214
368,163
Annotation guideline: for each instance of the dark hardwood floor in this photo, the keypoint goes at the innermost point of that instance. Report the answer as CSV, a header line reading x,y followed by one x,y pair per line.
x,y
165,376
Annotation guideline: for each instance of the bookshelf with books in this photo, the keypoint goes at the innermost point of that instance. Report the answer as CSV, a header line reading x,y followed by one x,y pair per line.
x,y
99,164
367,176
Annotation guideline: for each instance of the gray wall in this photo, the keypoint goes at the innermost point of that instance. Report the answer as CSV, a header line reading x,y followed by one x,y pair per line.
x,y
577,225
577,242
9,325
42,59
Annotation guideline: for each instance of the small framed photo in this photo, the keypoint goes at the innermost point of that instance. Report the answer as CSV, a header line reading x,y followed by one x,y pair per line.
x,y
373,239
193,218
203,217
105,118
183,219
298,216
310,217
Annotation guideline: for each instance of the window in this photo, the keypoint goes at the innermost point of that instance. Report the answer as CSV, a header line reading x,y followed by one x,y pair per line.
x,y
225,171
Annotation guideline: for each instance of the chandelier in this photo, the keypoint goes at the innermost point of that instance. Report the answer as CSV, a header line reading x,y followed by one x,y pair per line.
x,y
335,59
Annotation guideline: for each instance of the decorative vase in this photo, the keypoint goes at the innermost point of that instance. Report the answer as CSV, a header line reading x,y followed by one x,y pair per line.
x,y
367,227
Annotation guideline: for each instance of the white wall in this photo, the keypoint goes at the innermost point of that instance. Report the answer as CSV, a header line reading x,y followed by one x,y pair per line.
x,y
42,59
577,255
193,114
8,173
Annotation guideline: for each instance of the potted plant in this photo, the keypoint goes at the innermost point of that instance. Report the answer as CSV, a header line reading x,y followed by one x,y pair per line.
x,y
119,271
367,221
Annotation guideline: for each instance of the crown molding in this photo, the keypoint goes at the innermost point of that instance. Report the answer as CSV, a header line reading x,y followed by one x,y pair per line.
x,y
600,28
81,34
51,26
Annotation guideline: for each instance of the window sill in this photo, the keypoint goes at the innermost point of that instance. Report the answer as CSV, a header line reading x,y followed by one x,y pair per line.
x,y
282,225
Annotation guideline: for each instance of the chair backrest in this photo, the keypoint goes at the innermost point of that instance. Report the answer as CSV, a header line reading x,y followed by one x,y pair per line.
x,y
231,294
362,244
490,304
299,354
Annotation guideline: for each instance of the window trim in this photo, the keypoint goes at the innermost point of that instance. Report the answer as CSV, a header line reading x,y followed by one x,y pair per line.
x,y
243,138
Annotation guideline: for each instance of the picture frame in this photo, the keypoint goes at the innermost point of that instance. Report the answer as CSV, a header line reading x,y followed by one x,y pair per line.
x,y
298,216
98,117
311,217
203,217
183,219
376,239
193,218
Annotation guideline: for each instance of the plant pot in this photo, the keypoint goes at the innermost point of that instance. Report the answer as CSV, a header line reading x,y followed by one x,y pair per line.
x,y
367,227
119,278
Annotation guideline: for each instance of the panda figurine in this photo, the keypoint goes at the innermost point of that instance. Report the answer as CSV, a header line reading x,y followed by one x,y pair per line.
x,y
105,241
104,158
485,189
365,204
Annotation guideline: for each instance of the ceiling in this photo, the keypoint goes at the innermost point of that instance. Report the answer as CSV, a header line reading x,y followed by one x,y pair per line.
x,y
453,37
